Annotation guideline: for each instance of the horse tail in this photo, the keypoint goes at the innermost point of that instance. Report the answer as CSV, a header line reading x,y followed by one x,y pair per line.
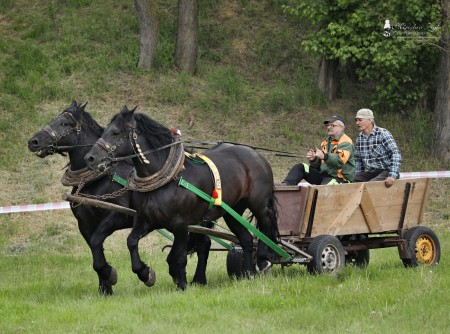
x,y
272,218
273,214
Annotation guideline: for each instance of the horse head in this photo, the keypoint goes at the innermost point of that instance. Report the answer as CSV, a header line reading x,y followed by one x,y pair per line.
x,y
114,142
64,130
130,135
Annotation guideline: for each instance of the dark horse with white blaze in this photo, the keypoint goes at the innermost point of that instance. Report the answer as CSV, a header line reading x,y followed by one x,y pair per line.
x,y
74,131
246,181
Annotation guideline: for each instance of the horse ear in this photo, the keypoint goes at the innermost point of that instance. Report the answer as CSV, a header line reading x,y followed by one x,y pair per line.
x,y
73,105
83,106
127,113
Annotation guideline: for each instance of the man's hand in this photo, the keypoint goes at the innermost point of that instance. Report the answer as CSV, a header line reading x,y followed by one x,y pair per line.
x,y
319,154
311,154
389,181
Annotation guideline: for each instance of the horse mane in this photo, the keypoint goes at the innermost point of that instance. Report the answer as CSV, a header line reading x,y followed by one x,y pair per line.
x,y
92,123
155,133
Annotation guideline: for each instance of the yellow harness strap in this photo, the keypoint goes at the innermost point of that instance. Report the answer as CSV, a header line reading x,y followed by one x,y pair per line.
x,y
217,192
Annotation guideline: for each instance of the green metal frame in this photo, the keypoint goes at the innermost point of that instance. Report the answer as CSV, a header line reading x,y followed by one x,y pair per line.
x,y
239,218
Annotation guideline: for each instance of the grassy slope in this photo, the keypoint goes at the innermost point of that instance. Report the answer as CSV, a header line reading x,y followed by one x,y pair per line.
x,y
254,86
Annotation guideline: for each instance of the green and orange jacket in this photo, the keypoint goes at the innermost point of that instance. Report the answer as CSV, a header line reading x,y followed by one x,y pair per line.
x,y
340,159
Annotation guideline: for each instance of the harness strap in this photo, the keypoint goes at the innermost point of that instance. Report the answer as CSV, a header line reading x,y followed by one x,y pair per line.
x,y
217,192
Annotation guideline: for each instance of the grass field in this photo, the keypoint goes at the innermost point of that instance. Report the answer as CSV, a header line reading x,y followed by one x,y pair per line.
x,y
54,291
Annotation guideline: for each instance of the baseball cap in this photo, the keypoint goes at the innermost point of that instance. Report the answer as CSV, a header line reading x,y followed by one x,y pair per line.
x,y
364,113
333,118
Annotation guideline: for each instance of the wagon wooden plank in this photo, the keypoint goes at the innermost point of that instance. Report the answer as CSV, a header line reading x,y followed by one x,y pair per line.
x,y
214,233
291,201
369,212
99,204
342,217
345,209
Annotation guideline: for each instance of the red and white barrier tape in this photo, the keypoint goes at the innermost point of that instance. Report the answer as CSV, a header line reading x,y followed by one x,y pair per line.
x,y
34,207
435,175
66,205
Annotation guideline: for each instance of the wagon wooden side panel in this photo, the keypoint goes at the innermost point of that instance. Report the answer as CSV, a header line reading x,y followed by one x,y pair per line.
x,y
291,202
365,208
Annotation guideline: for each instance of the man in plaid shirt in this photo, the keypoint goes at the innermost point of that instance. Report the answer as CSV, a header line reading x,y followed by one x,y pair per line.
x,y
377,156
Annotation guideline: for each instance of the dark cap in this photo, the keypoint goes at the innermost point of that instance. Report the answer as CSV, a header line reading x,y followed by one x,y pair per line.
x,y
333,118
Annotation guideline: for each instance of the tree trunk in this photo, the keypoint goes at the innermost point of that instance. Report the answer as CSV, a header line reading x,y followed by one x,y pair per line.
x,y
148,27
329,81
441,130
187,36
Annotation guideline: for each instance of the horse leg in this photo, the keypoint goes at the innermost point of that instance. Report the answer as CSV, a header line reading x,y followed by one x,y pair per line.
x,y
267,224
201,244
107,276
177,259
140,230
245,240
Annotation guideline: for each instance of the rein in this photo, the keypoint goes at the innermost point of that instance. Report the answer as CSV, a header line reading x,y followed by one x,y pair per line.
x,y
267,150
111,148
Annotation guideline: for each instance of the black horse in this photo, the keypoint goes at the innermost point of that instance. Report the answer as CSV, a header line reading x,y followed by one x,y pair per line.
x,y
246,180
75,131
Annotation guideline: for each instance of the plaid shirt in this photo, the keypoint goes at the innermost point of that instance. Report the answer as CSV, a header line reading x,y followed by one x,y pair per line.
x,y
377,151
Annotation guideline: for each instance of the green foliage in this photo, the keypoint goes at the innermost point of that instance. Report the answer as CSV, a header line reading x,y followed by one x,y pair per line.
x,y
401,67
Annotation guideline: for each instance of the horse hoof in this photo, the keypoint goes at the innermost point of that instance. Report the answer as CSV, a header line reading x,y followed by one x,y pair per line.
x,y
265,268
105,290
202,283
151,279
113,277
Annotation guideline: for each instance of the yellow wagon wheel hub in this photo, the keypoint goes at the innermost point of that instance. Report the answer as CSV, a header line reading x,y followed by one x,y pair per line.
x,y
425,250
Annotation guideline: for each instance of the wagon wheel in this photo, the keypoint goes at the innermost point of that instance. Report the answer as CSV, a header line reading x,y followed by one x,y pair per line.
x,y
328,255
235,258
423,245
235,262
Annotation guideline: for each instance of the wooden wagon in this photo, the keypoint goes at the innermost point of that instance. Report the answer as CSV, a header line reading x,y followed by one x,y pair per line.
x,y
327,226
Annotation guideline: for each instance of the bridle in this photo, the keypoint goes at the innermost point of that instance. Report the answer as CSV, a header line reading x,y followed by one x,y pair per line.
x,y
56,137
131,137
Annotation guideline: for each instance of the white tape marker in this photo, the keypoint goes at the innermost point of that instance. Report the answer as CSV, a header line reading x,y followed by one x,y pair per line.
x,y
34,207
66,205
436,175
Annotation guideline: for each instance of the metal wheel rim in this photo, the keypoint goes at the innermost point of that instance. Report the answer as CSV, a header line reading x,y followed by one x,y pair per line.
x,y
329,259
425,250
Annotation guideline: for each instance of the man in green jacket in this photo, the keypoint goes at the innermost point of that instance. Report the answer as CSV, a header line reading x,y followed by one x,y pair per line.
x,y
333,163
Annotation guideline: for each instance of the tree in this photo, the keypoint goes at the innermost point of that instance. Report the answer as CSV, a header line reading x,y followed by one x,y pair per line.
x,y
187,36
400,66
149,30
329,81
441,133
